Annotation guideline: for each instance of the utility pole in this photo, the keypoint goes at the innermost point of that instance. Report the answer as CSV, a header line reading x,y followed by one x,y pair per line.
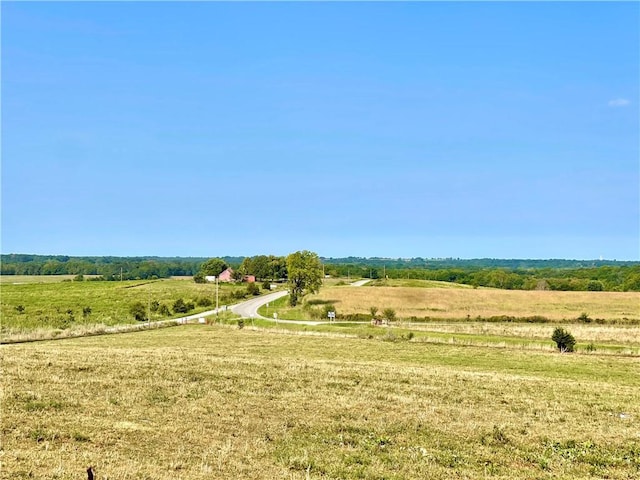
x,y
217,278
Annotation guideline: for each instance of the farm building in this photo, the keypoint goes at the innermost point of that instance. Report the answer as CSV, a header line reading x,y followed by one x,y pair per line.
x,y
227,276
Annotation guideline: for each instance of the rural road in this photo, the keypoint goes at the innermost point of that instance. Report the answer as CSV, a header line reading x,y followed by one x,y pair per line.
x,y
250,308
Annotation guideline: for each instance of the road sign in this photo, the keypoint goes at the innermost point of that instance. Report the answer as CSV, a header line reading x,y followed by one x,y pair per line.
x,y
331,315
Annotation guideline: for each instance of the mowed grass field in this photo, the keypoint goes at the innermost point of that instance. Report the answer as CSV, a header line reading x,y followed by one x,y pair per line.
x,y
440,300
202,402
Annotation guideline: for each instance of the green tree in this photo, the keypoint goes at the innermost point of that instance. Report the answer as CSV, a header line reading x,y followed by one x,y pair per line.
x,y
564,340
213,267
304,274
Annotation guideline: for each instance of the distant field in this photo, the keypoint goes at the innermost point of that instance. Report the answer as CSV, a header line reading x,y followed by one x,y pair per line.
x,y
18,279
202,402
460,303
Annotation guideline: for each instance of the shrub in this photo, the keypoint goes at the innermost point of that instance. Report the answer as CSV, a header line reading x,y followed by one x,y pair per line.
x,y
203,301
266,285
327,309
389,314
164,310
239,294
138,311
584,318
253,289
564,340
179,306
86,311
199,278
20,308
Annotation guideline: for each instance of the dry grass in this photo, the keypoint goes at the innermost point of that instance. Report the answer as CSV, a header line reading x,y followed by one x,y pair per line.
x,y
458,303
212,402
615,334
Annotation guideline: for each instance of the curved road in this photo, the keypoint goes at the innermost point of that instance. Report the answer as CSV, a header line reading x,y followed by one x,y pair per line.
x,y
250,308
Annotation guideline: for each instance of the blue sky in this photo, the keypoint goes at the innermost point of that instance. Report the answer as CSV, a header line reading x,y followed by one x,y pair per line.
x,y
466,130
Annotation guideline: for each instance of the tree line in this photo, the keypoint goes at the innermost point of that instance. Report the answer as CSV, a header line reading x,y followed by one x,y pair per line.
x,y
506,274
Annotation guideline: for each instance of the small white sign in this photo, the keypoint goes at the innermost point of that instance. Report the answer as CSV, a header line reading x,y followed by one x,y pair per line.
x,y
275,315
331,315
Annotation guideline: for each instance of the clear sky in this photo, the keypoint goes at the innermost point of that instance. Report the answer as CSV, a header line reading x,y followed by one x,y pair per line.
x,y
505,130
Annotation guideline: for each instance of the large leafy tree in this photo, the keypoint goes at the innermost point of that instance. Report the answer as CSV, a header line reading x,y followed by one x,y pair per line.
x,y
213,267
304,273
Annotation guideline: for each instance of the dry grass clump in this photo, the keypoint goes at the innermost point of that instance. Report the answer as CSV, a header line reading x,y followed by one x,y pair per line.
x,y
210,402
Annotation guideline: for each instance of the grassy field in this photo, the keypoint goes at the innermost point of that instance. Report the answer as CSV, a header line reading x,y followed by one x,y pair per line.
x,y
35,305
436,302
20,279
213,402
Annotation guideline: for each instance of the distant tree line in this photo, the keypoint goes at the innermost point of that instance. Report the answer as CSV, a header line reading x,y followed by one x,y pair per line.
x,y
107,268
477,263
624,276
513,274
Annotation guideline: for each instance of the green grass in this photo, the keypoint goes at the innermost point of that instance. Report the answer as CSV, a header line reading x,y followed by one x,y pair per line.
x,y
218,402
61,305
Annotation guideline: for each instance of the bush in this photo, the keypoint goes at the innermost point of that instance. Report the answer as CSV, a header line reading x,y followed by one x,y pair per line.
x,y
199,278
204,301
389,314
266,285
179,306
564,340
239,294
584,318
138,311
253,289
327,309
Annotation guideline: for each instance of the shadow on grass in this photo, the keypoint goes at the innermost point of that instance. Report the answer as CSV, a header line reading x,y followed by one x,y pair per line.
x,y
322,302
